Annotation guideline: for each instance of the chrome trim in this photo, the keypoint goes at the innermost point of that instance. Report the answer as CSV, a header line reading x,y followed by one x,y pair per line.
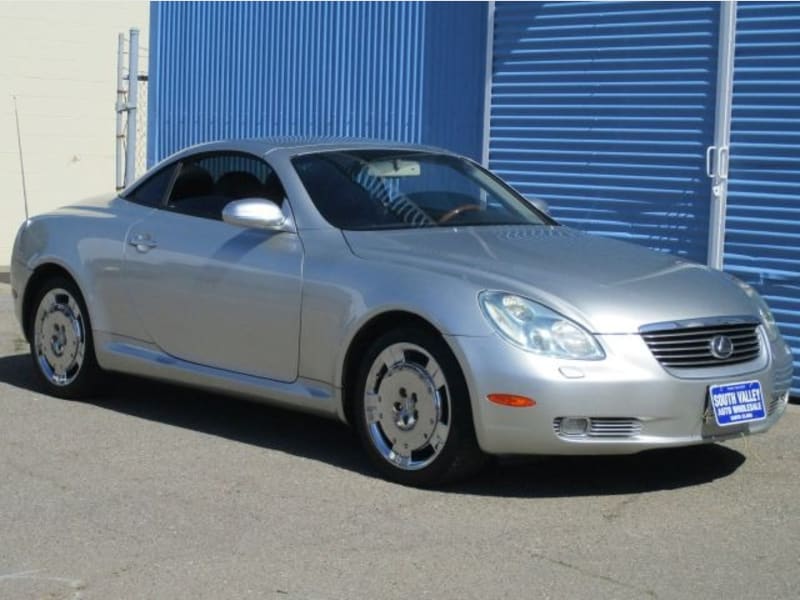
x,y
704,322
721,346
603,427
704,343
778,401
257,213
142,242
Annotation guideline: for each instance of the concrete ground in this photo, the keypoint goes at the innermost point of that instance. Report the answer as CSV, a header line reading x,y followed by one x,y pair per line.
x,y
153,491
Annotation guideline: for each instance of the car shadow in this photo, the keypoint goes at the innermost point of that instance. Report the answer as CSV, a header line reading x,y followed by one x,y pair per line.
x,y
333,443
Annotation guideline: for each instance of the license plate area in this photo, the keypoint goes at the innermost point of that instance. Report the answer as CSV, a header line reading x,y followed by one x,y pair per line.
x,y
737,403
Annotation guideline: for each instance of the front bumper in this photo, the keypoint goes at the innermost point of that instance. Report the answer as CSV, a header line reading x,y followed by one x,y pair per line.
x,y
633,401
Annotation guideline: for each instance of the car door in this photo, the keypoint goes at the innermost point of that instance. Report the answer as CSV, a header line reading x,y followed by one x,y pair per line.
x,y
212,293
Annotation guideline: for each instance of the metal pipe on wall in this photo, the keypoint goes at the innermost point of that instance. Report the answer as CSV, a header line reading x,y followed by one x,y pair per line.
x,y
133,98
120,108
719,154
487,91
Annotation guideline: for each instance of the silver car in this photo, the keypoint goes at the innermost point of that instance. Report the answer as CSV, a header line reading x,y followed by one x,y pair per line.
x,y
404,290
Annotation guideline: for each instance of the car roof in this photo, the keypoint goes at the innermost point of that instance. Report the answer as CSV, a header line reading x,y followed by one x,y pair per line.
x,y
288,146
302,145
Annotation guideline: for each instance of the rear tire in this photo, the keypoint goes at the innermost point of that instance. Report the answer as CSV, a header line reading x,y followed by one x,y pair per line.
x,y
62,347
412,410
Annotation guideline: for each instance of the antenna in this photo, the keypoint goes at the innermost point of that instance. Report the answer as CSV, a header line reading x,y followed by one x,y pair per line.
x,y
21,163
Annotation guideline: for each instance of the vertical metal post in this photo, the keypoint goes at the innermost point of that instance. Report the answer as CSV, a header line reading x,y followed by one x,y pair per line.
x,y
120,107
487,88
718,155
133,98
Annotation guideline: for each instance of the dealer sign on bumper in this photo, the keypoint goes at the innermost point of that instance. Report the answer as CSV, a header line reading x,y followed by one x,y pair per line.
x,y
736,403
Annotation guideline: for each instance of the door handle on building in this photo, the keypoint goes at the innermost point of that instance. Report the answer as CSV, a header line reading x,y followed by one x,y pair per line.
x,y
718,166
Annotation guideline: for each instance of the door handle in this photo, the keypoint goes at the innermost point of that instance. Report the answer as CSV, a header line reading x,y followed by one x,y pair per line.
x,y
719,166
709,152
142,243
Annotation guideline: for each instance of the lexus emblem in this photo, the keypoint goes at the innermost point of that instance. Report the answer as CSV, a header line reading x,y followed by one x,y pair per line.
x,y
721,347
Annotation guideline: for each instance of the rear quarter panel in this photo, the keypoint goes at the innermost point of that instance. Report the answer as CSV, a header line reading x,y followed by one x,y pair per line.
x,y
87,241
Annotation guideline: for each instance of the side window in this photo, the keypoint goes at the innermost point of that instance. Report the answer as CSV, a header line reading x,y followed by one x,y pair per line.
x,y
152,191
205,184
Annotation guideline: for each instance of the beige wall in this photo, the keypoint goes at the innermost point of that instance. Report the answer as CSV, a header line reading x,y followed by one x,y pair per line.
x,y
59,60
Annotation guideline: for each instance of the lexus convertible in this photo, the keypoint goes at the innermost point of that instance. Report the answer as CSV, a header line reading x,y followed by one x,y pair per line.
x,y
404,290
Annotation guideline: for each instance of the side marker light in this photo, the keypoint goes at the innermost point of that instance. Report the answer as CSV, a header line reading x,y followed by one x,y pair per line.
x,y
511,400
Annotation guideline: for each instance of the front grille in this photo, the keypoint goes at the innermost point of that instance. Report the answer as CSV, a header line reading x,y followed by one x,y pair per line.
x,y
610,427
690,347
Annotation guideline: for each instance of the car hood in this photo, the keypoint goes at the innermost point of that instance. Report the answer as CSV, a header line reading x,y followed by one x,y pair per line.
x,y
609,286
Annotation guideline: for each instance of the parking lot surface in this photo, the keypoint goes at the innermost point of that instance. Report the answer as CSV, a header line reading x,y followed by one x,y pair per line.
x,y
154,491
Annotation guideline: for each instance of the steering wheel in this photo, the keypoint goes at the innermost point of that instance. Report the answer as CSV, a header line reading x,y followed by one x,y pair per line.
x,y
458,210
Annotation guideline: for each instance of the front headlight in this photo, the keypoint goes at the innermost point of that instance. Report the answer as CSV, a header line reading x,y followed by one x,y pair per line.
x,y
767,318
535,328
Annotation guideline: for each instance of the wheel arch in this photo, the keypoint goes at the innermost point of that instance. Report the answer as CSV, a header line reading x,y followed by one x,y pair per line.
x,y
41,273
376,326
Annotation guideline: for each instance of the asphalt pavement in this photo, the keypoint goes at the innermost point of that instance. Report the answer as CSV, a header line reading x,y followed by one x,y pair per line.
x,y
154,491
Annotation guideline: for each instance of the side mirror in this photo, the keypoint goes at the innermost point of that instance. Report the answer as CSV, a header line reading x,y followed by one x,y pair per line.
x,y
540,205
255,213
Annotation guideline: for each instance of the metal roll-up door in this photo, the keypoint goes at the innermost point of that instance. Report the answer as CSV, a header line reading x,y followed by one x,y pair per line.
x,y
605,110
762,241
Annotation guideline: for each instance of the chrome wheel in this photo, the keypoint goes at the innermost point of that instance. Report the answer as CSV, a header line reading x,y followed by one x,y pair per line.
x,y
59,337
407,406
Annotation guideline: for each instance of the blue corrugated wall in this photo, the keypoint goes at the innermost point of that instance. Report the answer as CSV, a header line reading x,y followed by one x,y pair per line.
x,y
762,241
605,109
402,71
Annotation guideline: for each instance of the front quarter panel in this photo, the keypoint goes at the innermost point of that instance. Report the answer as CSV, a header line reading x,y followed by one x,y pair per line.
x,y
343,292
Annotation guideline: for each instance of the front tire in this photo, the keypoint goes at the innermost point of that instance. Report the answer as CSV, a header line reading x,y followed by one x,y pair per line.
x,y
412,410
62,348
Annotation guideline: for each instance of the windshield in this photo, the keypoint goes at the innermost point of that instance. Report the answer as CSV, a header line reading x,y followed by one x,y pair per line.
x,y
387,189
